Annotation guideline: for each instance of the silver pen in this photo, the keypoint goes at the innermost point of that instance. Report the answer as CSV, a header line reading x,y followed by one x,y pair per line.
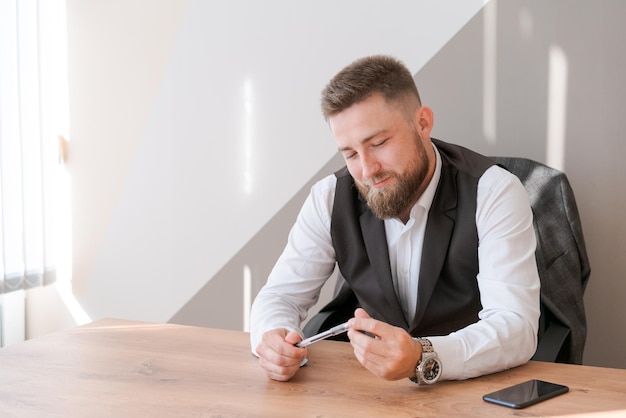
x,y
323,335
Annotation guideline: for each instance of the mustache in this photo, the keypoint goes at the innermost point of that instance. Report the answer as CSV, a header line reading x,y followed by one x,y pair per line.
x,y
369,182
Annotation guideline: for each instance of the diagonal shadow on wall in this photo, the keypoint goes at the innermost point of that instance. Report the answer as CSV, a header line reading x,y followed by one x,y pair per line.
x,y
220,303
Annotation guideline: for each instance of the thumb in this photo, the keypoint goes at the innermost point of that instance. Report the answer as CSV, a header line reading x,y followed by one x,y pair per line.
x,y
293,337
360,313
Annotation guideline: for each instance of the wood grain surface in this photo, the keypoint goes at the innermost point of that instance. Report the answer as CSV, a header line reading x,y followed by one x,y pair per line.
x,y
117,368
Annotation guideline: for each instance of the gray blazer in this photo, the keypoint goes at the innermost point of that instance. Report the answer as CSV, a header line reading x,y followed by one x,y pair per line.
x,y
561,260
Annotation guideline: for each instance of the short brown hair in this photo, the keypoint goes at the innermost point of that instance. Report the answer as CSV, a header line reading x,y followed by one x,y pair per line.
x,y
365,77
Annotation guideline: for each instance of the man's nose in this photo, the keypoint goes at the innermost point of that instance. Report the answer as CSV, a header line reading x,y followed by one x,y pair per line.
x,y
370,166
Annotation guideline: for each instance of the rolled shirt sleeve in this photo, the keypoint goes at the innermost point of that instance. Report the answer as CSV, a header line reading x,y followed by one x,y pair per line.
x,y
506,334
307,261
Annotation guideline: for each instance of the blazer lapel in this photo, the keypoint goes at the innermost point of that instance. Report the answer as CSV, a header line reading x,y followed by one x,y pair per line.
x,y
439,227
376,245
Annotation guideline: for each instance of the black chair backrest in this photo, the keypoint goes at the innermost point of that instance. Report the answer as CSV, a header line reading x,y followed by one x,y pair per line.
x,y
561,259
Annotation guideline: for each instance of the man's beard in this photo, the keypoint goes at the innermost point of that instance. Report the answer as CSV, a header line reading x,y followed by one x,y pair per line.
x,y
390,201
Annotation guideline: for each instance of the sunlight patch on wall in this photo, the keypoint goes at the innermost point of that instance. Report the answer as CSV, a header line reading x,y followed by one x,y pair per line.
x,y
557,108
247,297
247,149
80,317
64,246
489,72
57,120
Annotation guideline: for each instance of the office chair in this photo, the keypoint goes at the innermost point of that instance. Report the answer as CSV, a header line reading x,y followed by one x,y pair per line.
x,y
561,260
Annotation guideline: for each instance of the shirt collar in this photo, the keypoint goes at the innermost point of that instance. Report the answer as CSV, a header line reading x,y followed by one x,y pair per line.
x,y
426,199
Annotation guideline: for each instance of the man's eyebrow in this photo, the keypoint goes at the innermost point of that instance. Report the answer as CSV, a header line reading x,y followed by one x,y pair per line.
x,y
364,140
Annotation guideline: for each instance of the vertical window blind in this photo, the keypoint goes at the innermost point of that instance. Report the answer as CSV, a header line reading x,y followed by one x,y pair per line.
x,y
33,116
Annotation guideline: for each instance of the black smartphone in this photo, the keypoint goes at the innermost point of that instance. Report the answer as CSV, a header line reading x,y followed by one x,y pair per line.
x,y
525,394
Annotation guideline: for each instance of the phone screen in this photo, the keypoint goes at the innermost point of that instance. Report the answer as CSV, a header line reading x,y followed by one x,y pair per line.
x,y
525,394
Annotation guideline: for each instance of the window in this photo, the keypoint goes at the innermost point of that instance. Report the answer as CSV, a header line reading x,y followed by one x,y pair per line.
x,y
34,204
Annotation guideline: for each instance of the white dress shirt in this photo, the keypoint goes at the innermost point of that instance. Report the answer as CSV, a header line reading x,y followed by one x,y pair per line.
x,y
505,334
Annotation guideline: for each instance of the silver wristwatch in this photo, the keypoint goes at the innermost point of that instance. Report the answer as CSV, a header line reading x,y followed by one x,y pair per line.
x,y
428,368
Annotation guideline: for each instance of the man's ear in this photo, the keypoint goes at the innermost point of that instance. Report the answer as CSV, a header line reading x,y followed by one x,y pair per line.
x,y
424,121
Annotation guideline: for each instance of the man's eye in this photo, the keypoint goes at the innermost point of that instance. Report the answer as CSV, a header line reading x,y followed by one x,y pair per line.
x,y
378,144
349,156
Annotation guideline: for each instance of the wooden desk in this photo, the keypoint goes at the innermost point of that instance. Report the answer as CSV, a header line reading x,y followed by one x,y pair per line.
x,y
114,368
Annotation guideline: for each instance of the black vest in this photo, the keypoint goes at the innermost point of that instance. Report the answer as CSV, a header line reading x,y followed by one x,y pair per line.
x,y
448,297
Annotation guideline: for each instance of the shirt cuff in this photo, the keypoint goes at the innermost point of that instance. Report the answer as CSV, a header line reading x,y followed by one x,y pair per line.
x,y
256,335
449,349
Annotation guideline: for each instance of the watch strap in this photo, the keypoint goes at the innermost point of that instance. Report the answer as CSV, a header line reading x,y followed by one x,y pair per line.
x,y
427,346
427,351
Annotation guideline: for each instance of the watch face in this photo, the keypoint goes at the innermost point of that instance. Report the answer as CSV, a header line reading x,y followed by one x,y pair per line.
x,y
431,370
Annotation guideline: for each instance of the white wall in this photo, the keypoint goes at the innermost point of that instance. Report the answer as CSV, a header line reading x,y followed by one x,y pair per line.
x,y
193,123
195,132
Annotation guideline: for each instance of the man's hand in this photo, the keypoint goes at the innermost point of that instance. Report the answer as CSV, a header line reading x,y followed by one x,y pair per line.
x,y
278,356
391,354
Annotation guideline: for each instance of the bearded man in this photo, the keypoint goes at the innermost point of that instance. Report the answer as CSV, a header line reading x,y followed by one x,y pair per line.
x,y
434,244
